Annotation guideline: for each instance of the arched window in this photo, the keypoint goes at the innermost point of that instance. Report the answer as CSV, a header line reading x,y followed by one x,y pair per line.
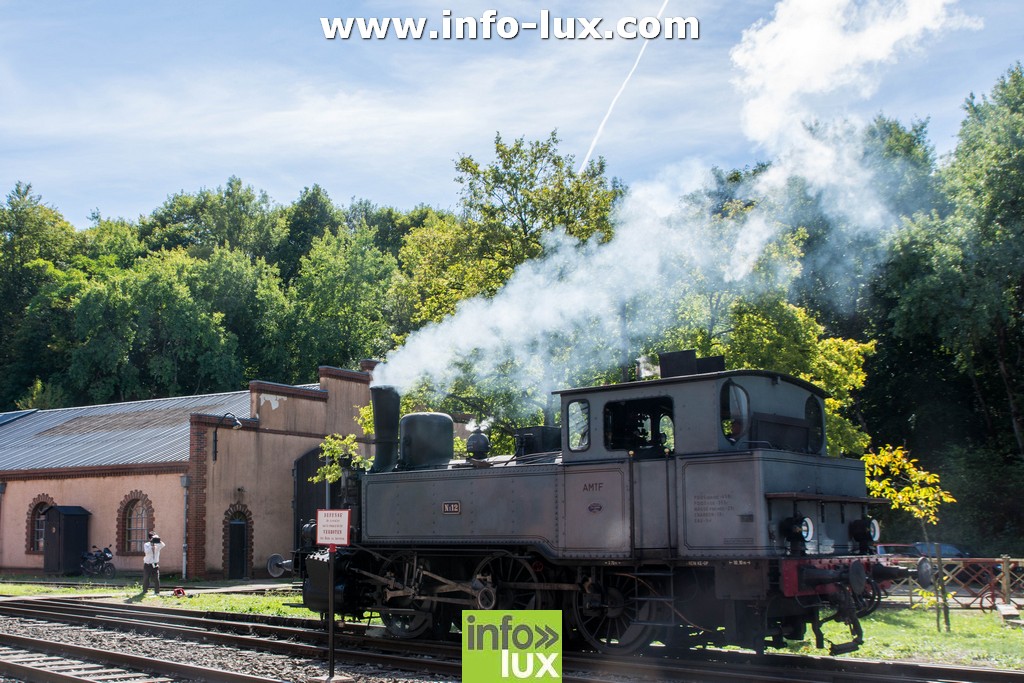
x,y
734,411
35,527
39,527
134,522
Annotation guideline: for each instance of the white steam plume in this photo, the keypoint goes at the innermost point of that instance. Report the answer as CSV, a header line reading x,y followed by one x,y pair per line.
x,y
810,52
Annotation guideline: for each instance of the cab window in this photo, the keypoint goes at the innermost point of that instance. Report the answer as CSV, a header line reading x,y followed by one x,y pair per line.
x,y
815,425
645,428
734,411
578,424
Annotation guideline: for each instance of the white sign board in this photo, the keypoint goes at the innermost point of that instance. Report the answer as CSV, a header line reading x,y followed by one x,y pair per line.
x,y
332,527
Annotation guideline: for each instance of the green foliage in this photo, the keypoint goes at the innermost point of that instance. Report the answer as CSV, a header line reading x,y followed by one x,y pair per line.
x,y
311,216
771,334
903,161
441,266
43,397
117,240
235,215
143,334
957,277
32,235
338,315
507,207
339,453
991,480
530,189
255,310
892,474
390,226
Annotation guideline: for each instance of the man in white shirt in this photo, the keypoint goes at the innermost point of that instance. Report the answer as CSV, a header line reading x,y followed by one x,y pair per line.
x,y
151,564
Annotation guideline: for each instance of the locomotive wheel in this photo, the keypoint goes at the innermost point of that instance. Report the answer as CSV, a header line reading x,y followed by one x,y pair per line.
x,y
511,583
608,616
401,566
868,601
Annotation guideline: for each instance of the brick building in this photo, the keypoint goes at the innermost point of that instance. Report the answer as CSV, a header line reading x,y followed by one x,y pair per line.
x,y
213,474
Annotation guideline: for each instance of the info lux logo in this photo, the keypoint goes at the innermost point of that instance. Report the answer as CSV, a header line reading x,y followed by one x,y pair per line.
x,y
509,645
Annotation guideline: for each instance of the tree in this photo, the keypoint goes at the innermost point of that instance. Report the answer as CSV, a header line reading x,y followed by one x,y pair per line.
x,y
390,226
143,334
235,215
311,216
957,277
339,310
441,266
117,240
35,243
339,452
248,294
43,338
506,208
772,334
892,474
528,190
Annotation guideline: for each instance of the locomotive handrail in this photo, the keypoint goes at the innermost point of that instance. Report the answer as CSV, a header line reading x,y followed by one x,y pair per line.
x,y
823,498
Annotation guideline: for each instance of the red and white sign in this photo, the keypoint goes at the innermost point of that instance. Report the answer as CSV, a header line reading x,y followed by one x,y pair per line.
x,y
332,527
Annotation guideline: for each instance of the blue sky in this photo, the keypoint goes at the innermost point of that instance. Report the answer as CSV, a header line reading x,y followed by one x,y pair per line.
x,y
114,105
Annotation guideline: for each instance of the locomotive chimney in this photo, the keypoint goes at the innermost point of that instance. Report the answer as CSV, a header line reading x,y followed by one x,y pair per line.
x,y
385,402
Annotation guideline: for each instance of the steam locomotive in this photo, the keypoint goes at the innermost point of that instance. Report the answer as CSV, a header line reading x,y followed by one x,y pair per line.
x,y
695,509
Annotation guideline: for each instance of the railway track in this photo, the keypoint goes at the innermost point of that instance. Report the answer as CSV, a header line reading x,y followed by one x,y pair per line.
x,y
357,644
292,638
41,661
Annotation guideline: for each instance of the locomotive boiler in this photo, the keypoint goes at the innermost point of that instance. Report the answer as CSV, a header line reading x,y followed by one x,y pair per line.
x,y
700,508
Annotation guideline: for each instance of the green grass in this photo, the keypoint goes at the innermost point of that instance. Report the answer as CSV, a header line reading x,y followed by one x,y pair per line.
x,y
975,639
283,604
28,589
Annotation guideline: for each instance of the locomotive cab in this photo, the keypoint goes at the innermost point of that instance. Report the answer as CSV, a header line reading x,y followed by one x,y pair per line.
x,y
725,411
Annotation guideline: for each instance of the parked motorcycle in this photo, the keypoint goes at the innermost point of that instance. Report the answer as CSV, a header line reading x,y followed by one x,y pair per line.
x,y
98,563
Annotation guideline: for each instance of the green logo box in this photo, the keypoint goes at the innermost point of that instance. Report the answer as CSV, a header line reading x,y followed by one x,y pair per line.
x,y
509,645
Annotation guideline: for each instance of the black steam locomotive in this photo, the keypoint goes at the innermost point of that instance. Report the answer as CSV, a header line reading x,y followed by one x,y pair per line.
x,y
695,509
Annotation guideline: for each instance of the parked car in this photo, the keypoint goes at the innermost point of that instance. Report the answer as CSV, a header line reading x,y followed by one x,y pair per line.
x,y
898,550
971,572
948,550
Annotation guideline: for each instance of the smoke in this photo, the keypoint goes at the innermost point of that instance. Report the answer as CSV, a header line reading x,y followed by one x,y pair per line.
x,y
589,304
798,65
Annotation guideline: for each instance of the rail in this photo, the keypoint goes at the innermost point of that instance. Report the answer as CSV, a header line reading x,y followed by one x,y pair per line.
x,y
973,582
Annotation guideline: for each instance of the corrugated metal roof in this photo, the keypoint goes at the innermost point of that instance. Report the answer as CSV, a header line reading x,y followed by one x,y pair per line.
x,y
140,432
11,417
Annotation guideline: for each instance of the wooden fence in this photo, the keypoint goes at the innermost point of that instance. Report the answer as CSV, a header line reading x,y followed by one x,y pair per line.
x,y
974,582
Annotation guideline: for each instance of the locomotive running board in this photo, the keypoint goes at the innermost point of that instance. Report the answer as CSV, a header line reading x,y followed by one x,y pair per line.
x,y
823,498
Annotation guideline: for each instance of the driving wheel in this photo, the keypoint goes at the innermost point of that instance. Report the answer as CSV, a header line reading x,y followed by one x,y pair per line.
x,y
611,612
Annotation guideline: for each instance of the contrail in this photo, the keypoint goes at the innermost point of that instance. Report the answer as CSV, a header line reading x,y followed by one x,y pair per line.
x,y
615,99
